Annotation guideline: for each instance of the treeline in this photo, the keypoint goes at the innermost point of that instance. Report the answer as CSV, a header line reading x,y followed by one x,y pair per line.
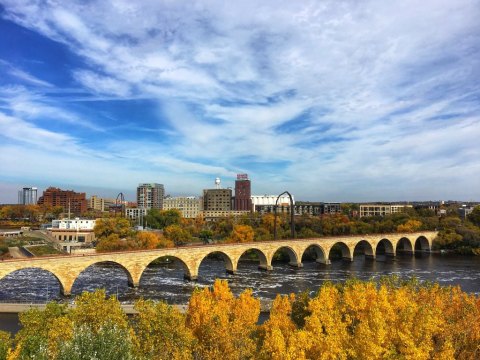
x,y
454,233
28,214
391,319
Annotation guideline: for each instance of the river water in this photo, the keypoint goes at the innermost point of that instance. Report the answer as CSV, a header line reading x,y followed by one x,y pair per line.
x,y
166,281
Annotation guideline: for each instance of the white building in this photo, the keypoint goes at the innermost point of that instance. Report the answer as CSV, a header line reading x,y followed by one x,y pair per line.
x,y
189,206
75,224
73,234
270,200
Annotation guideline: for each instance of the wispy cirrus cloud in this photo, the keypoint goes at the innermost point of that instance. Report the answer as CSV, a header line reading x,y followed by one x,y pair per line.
x,y
334,99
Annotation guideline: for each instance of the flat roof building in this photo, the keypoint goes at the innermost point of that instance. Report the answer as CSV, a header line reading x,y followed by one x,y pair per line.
x,y
382,209
70,200
189,206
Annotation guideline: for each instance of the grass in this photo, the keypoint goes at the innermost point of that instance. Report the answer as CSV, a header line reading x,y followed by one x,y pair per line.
x,y
43,250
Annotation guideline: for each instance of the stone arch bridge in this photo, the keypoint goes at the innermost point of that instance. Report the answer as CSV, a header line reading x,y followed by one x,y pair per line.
x,y
67,268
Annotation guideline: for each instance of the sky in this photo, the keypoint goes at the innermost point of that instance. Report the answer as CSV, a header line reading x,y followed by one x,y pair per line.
x,y
366,100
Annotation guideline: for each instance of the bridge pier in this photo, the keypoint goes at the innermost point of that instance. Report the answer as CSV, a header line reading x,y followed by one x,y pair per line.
x,y
231,272
190,277
348,259
323,261
370,257
297,265
265,267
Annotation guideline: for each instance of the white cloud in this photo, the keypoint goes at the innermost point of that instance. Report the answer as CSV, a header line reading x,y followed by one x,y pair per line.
x,y
363,81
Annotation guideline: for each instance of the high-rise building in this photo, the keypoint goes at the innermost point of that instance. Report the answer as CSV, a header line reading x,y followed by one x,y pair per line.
x,y
27,196
150,196
243,193
71,201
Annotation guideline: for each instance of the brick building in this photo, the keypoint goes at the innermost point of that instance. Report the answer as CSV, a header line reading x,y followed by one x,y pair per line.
x,y
70,200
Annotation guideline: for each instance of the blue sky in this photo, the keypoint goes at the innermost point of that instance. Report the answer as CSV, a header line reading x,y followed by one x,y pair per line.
x,y
331,100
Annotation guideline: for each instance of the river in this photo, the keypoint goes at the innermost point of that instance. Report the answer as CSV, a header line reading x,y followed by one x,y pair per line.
x,y
166,281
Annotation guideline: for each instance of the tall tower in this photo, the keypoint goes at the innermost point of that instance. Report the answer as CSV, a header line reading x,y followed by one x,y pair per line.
x,y
27,196
243,193
150,196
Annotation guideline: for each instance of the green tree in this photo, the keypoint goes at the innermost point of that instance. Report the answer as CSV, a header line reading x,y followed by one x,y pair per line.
x,y
5,344
474,216
107,343
159,219
206,236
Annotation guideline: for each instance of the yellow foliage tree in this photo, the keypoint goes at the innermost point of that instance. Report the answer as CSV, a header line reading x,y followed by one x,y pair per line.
x,y
410,226
96,310
223,325
279,337
161,332
241,234
143,240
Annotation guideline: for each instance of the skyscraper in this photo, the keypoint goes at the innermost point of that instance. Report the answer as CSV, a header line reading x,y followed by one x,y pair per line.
x,y
27,196
150,196
243,193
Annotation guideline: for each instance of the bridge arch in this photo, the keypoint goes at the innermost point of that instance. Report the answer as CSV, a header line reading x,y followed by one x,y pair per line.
x,y
230,267
189,273
422,244
63,282
385,247
294,259
404,246
265,263
320,253
345,251
116,264
364,247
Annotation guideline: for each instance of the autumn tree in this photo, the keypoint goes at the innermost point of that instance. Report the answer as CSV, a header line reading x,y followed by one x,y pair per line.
x,y
177,234
241,234
108,226
143,240
161,332
223,325
111,243
279,337
410,226
5,344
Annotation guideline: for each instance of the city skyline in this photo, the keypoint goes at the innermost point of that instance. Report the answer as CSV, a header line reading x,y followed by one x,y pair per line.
x,y
331,101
